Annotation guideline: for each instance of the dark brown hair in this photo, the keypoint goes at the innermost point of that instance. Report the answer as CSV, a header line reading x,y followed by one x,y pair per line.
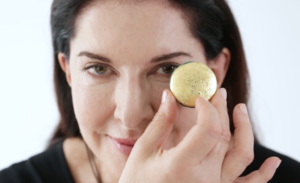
x,y
210,21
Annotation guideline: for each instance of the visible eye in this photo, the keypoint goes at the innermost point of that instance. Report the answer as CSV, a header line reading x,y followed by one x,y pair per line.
x,y
98,70
167,69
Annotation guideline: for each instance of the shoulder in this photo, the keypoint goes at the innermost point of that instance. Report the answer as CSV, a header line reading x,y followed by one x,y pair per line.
x,y
48,166
288,171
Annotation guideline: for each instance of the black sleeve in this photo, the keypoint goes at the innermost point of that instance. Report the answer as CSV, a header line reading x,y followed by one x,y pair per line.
x,y
287,172
47,167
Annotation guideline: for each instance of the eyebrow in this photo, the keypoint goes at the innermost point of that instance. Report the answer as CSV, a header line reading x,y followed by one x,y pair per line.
x,y
169,56
94,56
155,59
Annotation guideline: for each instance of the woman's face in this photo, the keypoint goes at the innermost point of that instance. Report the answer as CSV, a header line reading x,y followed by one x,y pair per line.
x,y
120,62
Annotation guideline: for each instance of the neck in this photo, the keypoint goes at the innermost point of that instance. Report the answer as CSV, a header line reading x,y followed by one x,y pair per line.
x,y
80,166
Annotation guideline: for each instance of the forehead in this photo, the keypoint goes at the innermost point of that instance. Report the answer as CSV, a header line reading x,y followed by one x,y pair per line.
x,y
115,27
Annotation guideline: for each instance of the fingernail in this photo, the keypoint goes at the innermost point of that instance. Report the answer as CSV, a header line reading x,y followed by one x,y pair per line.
x,y
164,96
278,163
244,108
224,93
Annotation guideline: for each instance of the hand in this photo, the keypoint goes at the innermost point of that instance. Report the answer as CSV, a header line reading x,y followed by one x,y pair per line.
x,y
203,155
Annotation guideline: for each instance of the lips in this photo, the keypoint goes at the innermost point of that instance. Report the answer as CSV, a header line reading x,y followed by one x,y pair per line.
x,y
123,145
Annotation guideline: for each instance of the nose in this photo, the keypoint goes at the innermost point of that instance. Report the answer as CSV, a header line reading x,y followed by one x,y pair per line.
x,y
133,103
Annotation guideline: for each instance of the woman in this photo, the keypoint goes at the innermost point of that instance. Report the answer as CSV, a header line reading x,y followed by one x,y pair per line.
x,y
120,123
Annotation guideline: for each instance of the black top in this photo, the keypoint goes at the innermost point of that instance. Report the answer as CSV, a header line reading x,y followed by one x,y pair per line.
x,y
48,167
51,167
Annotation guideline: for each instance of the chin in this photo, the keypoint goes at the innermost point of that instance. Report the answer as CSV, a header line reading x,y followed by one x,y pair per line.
x,y
110,157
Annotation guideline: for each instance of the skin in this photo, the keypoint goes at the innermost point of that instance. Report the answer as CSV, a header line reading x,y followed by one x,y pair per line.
x,y
122,99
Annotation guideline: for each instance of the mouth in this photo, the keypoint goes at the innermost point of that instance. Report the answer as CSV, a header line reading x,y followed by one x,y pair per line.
x,y
123,145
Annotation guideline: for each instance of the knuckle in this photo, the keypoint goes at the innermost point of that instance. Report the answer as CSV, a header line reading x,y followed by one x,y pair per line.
x,y
214,131
209,110
255,176
160,116
247,157
226,136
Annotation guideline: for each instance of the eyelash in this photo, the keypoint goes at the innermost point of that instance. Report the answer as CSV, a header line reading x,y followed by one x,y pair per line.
x,y
172,64
94,66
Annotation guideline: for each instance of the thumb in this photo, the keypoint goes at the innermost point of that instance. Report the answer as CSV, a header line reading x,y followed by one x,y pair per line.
x,y
161,125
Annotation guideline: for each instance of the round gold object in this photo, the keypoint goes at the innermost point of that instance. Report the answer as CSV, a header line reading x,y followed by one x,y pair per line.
x,y
191,80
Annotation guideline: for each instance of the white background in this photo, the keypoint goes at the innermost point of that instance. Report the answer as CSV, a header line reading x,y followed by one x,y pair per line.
x,y
28,113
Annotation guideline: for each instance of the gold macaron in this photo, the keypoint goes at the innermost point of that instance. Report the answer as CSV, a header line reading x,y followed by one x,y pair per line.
x,y
192,80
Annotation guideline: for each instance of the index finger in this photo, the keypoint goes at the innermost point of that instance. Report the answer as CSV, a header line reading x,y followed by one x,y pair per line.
x,y
203,136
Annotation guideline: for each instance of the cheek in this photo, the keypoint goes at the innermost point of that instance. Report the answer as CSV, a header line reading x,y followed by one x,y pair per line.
x,y
92,106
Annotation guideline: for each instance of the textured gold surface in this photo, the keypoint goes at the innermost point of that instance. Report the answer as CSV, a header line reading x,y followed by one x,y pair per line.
x,y
191,80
